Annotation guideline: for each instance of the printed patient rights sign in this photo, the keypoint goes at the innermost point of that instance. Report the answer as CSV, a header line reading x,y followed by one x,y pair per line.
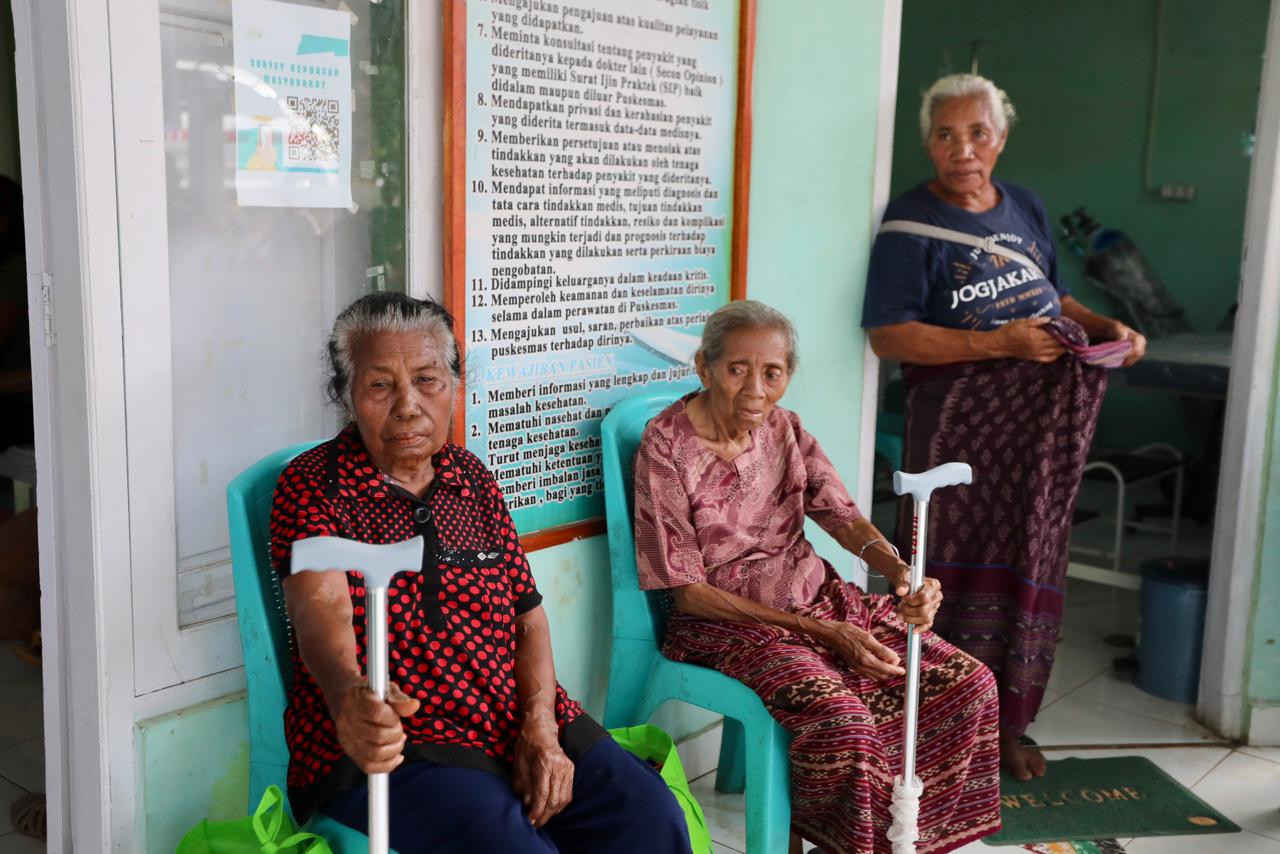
x,y
599,177
293,105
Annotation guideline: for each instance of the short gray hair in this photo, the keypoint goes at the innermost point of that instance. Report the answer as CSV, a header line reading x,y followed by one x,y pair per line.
x,y
744,314
380,313
966,86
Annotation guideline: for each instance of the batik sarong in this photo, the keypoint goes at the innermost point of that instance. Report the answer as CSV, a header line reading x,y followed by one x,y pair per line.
x,y
846,729
999,547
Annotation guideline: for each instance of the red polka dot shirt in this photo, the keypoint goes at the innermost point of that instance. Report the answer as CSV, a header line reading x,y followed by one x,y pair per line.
x,y
451,627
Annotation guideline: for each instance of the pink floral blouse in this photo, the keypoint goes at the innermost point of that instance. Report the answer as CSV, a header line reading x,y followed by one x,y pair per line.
x,y
737,524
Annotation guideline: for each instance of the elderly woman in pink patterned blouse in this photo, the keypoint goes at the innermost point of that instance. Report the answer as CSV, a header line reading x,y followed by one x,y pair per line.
x,y
724,480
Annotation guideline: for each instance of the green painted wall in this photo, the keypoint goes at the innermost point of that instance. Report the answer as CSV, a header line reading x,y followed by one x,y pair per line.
x,y
1080,76
811,209
817,91
193,765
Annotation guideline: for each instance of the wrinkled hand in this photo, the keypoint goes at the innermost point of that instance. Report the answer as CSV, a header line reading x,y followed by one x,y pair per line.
x,y
1024,339
919,608
543,774
862,652
1121,332
369,729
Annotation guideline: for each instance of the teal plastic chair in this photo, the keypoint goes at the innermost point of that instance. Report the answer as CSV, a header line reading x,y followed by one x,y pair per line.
x,y
753,751
264,636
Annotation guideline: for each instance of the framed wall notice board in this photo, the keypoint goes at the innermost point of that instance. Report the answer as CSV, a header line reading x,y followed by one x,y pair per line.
x,y
597,159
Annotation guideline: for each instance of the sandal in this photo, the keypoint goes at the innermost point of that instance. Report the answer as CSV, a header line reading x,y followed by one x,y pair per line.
x,y
30,816
30,652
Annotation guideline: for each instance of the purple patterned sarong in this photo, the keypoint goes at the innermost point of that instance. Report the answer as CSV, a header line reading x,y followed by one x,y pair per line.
x,y
1000,546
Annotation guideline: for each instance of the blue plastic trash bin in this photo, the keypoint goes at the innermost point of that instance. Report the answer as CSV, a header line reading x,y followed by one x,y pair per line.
x,y
1174,593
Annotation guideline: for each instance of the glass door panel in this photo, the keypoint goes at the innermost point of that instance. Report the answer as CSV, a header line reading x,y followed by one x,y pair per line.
x,y
253,287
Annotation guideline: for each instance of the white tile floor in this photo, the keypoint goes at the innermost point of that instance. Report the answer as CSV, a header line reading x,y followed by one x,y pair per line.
x,y
1243,787
21,745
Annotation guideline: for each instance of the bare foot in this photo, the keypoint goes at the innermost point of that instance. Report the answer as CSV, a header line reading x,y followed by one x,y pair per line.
x,y
1022,763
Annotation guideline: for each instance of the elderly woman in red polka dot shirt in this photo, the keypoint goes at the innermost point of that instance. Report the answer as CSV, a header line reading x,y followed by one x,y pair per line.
x,y
486,751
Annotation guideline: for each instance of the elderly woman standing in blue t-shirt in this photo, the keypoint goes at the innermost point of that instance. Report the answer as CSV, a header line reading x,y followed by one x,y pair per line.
x,y
964,290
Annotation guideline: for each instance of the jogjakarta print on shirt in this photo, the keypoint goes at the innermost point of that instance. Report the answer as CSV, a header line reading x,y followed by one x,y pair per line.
x,y
957,286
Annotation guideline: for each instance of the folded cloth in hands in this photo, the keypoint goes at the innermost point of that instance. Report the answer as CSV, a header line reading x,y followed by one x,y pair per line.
x,y
1071,335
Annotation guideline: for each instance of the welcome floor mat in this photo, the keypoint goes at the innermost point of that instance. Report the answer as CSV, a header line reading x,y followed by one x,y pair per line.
x,y
1088,846
1101,798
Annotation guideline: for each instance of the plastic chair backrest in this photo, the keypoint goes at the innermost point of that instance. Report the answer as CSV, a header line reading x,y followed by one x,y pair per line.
x,y
264,624
637,614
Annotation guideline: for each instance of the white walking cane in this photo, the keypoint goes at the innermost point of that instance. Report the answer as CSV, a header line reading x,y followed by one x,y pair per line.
x,y
907,788
377,563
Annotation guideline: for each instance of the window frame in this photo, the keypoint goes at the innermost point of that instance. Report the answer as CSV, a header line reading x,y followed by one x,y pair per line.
x,y
176,666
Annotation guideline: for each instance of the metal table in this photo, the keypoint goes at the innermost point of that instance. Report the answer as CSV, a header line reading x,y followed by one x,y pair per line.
x,y
1193,364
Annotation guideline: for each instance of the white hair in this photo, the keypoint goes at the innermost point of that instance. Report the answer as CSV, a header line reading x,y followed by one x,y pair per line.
x,y
744,314
966,86
385,313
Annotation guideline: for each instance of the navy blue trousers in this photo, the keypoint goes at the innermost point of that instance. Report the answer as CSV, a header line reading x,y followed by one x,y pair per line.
x,y
620,805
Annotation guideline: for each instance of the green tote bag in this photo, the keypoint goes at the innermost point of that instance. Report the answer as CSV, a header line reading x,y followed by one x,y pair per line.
x,y
655,746
268,831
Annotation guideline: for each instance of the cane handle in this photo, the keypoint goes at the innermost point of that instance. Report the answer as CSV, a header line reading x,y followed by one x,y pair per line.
x,y
922,485
377,563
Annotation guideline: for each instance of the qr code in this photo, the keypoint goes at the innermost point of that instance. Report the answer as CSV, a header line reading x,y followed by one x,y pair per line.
x,y
313,130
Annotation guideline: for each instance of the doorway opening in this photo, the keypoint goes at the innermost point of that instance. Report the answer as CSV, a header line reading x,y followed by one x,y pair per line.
x,y
1135,168
22,776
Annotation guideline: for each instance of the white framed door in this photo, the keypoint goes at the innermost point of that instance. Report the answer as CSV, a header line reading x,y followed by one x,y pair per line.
x,y
31,127
65,114
118,644
1241,508
225,306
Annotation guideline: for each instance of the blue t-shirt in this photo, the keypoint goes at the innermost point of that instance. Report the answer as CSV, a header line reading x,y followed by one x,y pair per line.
x,y
963,287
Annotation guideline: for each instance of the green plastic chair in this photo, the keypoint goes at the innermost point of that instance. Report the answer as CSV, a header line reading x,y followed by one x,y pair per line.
x,y
753,750
264,637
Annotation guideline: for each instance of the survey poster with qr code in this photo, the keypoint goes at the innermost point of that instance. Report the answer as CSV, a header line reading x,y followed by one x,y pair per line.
x,y
293,105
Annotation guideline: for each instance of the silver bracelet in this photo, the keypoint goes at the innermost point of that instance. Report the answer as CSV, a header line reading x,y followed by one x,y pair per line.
x,y
871,543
